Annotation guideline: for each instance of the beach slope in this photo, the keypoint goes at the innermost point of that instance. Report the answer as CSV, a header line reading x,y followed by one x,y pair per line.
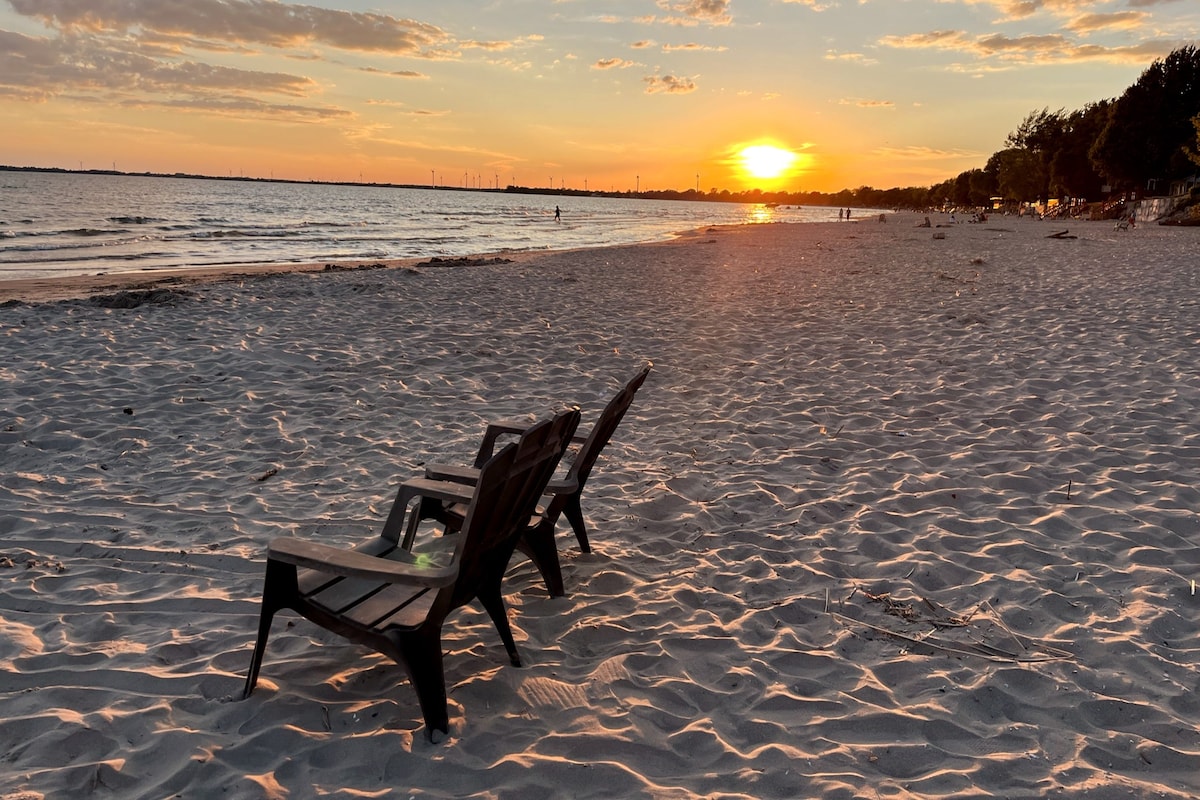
x,y
894,516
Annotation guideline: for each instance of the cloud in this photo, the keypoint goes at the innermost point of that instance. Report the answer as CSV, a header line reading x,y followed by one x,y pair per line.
x,y
613,63
242,107
1031,49
1020,9
494,47
54,65
393,73
693,47
1118,20
862,102
1012,10
922,153
668,84
142,52
854,58
692,12
261,22
404,109
39,69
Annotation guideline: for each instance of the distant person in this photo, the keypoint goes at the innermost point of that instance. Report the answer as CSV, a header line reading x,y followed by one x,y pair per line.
x,y
557,214
847,215
925,224
841,214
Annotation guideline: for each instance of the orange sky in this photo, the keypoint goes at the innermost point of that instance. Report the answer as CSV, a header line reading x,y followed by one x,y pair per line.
x,y
616,95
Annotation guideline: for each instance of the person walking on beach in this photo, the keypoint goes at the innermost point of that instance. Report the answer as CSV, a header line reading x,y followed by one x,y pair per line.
x,y
557,215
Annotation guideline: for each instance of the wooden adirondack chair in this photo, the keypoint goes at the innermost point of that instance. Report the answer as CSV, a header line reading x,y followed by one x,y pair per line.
x,y
564,494
394,597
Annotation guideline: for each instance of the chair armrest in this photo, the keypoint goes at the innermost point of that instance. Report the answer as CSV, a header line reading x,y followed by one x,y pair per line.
x,y
446,472
349,563
507,427
433,489
423,488
562,486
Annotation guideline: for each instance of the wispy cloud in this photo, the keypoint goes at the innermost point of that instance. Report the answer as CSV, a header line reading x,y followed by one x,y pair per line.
x,y
152,53
862,102
1118,20
692,47
57,64
392,73
614,63
668,84
919,153
711,12
1031,49
261,22
853,58
1013,10
243,107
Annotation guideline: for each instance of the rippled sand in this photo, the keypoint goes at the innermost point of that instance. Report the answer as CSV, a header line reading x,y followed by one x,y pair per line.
x,y
894,516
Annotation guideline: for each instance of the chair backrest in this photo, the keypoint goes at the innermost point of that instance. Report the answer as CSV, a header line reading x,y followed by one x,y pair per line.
x,y
511,482
604,428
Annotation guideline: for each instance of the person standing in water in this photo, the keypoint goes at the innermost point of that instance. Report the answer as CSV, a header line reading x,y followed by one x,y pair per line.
x,y
557,215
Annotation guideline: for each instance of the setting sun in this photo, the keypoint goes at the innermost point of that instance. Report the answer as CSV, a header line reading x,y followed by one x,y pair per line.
x,y
765,161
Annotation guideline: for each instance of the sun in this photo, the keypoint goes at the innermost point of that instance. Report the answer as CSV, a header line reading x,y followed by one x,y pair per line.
x,y
765,161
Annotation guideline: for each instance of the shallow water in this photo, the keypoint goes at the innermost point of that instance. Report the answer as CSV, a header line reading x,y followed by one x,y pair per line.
x,y
62,224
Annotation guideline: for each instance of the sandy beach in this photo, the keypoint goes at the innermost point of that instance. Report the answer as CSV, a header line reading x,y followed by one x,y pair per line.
x,y
899,513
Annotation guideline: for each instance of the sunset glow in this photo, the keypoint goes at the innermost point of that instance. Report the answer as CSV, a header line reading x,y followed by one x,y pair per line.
x,y
766,161
646,95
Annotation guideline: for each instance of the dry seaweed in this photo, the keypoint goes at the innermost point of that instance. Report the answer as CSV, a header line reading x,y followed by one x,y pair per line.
x,y
930,624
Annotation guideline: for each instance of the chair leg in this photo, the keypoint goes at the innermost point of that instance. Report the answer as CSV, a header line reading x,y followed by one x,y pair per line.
x,y
421,655
538,543
260,647
493,603
278,577
574,515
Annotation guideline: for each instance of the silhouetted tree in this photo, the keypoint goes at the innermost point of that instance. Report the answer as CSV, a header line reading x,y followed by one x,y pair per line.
x,y
1150,124
1194,155
980,187
1020,177
1072,173
1039,134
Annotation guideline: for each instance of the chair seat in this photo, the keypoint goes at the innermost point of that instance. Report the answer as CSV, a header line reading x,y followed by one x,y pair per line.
x,y
377,605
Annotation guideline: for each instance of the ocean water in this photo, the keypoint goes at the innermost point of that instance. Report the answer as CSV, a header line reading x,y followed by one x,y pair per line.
x,y
61,224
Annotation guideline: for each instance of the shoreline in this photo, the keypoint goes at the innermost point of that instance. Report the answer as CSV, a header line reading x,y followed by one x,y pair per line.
x,y
893,514
75,287
41,290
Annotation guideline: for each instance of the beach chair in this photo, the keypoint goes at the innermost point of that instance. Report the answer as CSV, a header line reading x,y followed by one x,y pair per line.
x,y
563,495
392,595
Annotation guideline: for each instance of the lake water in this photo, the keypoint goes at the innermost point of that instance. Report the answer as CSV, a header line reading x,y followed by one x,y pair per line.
x,y
60,224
